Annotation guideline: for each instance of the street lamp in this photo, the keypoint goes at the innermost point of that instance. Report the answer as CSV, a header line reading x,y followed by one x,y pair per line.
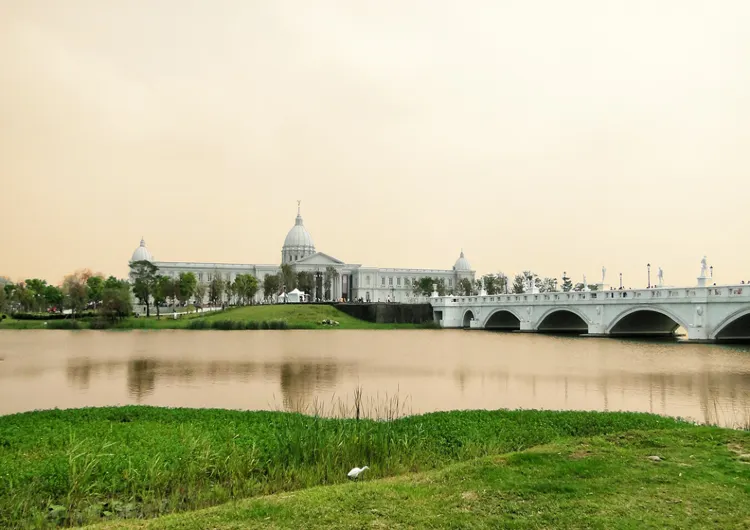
x,y
711,268
648,266
620,280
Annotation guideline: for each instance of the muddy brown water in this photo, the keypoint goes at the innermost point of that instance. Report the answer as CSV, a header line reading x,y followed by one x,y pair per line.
x,y
424,370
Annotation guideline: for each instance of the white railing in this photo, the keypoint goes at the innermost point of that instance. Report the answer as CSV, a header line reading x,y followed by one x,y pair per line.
x,y
665,294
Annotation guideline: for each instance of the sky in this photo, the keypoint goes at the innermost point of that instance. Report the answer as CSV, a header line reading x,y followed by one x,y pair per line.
x,y
536,135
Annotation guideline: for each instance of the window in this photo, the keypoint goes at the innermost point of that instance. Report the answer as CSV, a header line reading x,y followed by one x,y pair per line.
x,y
382,281
367,280
200,276
398,281
406,282
390,280
450,282
208,277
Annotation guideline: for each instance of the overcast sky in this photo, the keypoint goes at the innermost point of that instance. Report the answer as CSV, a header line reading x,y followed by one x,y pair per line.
x,y
543,135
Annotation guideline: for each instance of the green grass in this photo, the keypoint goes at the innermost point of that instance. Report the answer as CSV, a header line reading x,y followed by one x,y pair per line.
x,y
604,481
295,316
77,466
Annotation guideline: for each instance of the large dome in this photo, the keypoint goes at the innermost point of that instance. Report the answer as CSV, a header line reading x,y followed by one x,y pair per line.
x,y
142,253
462,264
298,242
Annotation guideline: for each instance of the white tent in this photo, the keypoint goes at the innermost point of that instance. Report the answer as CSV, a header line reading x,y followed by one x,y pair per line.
x,y
282,298
296,296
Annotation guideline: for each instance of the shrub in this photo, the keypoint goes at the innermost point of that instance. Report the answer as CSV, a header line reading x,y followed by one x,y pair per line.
x,y
51,316
64,324
100,323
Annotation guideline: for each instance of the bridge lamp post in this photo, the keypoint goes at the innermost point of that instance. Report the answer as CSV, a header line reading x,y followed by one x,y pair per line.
x,y
620,280
711,268
648,266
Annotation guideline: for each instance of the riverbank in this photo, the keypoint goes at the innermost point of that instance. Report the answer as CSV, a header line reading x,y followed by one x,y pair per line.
x,y
87,465
277,316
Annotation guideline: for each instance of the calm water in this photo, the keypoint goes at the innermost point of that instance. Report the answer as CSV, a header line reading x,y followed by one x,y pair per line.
x,y
428,370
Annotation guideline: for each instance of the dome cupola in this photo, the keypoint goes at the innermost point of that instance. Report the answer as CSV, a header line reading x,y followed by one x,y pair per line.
x,y
462,264
298,242
142,253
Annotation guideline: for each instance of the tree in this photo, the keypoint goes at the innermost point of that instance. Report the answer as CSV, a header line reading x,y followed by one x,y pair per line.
x,y
464,287
567,285
9,289
547,285
4,306
230,287
216,289
188,284
54,297
95,289
519,284
423,286
271,285
75,291
305,281
115,300
330,275
114,283
144,275
288,278
200,294
490,283
34,295
246,285
162,289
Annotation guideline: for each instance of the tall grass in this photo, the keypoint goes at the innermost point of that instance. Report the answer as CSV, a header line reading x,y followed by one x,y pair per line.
x,y
62,468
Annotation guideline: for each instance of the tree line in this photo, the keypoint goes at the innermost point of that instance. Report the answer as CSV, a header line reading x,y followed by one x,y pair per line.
x,y
79,291
495,284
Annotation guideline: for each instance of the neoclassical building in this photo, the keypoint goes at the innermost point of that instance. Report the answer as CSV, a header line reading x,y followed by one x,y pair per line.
x,y
352,281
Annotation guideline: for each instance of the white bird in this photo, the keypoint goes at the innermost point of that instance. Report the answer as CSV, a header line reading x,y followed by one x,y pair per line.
x,y
356,472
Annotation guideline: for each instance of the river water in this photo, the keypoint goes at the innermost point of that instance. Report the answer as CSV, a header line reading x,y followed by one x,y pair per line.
x,y
407,371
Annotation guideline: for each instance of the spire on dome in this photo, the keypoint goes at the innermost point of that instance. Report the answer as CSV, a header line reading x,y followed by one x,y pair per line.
x,y
143,242
298,221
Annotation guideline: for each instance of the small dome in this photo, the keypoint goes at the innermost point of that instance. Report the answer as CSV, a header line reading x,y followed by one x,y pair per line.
x,y
298,242
462,264
142,253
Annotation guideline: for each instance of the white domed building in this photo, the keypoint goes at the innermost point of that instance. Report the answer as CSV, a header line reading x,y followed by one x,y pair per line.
x,y
351,281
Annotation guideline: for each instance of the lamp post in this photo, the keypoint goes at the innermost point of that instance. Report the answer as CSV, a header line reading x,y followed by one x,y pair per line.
x,y
648,266
711,268
620,280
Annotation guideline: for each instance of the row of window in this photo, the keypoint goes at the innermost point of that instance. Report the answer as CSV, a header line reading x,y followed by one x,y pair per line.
x,y
407,281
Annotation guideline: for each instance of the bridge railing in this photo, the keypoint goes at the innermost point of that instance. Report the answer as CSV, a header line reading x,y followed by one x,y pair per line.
x,y
642,295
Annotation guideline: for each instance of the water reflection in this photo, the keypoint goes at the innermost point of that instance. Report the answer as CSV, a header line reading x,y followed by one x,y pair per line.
x,y
436,370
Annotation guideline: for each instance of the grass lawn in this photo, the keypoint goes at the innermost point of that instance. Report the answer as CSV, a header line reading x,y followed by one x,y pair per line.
x,y
67,467
296,316
605,482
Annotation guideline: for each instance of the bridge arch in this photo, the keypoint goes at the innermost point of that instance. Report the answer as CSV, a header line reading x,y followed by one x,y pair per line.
x,y
503,319
467,318
563,320
735,327
645,320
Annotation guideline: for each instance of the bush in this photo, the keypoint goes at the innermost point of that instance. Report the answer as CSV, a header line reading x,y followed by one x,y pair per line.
x,y
52,316
101,323
64,324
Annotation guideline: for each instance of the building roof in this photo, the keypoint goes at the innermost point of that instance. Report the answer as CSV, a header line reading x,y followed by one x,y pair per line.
x,y
462,264
298,237
142,253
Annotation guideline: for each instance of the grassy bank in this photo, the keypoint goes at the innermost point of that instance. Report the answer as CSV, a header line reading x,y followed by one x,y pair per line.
x,y
293,316
604,481
77,466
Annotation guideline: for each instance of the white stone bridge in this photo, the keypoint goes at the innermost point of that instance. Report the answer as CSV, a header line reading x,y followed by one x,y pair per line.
x,y
708,314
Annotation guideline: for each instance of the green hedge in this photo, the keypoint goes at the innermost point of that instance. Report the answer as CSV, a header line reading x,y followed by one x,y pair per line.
x,y
52,316
237,324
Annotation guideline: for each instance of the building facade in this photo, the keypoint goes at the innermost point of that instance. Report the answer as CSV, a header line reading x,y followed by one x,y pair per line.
x,y
350,281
